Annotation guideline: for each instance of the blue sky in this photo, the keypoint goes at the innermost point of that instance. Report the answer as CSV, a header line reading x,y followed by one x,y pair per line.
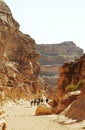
x,y
51,21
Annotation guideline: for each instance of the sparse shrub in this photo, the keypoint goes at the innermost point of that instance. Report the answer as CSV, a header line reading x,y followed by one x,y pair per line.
x,y
71,87
74,87
16,94
81,84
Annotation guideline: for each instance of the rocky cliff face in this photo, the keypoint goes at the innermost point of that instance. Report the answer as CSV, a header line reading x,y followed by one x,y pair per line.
x,y
18,57
53,56
77,109
72,79
72,76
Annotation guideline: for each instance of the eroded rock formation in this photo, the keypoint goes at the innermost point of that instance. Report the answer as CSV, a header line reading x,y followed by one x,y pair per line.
x,y
77,109
72,78
19,66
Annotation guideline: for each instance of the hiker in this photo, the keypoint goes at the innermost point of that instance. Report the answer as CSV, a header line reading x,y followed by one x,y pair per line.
x,y
31,102
46,100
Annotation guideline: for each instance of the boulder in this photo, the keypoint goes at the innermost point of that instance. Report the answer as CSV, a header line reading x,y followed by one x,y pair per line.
x,y
44,109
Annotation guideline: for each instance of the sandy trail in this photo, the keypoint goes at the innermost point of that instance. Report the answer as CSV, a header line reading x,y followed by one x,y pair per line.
x,y
21,117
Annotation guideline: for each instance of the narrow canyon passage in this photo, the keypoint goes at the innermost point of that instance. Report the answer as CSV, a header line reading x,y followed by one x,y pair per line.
x,y
21,117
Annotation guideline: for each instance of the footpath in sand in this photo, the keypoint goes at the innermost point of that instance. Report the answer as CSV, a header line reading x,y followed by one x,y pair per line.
x,y
21,116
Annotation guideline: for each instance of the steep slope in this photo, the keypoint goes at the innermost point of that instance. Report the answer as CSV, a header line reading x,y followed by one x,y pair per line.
x,y
72,76
19,66
72,80
77,109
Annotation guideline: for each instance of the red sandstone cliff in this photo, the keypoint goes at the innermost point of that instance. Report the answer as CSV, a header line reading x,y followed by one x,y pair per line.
x,y
19,66
72,80
77,109
72,76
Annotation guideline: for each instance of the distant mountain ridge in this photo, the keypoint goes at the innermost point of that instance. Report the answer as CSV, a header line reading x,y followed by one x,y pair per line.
x,y
53,56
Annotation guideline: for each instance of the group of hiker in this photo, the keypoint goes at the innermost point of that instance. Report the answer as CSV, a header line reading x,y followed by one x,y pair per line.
x,y
37,101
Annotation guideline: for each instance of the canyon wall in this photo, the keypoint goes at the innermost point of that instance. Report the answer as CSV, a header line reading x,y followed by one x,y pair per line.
x,y
72,81
72,76
19,66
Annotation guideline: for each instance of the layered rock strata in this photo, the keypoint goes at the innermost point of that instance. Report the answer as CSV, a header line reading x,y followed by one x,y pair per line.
x,y
53,56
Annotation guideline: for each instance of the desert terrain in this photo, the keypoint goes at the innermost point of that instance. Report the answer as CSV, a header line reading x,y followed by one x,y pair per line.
x,y
21,116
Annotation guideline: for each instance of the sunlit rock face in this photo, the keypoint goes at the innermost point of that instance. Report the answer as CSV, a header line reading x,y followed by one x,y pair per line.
x,y
77,109
6,15
18,57
72,76
72,79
